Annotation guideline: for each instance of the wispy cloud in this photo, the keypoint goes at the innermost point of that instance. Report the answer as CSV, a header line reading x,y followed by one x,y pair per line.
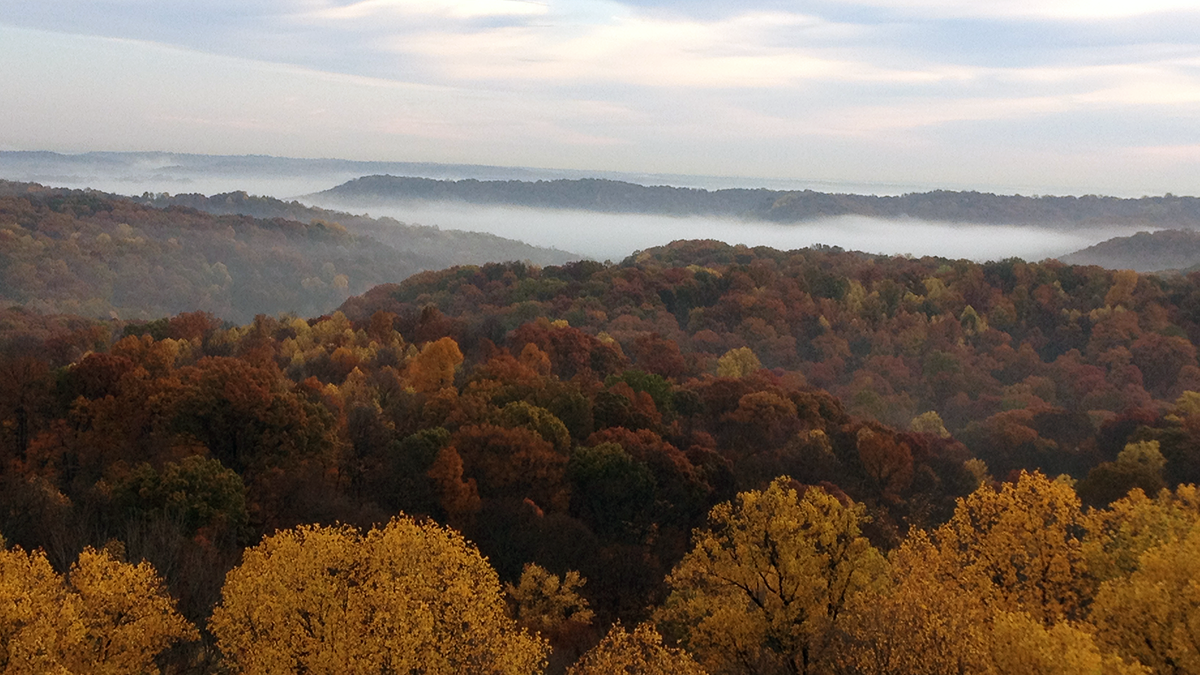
x,y
453,9
1052,9
640,50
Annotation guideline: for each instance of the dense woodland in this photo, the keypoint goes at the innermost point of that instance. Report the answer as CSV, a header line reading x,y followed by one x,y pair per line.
x,y
742,460
443,248
1164,250
91,254
593,194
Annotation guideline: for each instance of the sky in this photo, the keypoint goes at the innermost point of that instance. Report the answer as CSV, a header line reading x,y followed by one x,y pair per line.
x,y
1012,96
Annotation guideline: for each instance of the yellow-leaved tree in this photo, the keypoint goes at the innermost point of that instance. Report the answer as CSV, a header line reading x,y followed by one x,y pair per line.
x,y
37,624
108,617
1118,535
1153,615
640,652
765,584
933,619
410,597
738,362
921,622
1020,645
545,601
1024,542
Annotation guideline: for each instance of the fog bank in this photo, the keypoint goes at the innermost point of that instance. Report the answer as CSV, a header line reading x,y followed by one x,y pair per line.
x,y
605,236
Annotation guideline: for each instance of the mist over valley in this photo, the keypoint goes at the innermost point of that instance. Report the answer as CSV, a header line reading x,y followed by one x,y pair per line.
x,y
611,236
734,210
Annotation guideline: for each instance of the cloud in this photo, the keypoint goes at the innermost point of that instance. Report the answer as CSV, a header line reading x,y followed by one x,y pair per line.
x,y
822,89
752,50
1085,10
452,9
634,50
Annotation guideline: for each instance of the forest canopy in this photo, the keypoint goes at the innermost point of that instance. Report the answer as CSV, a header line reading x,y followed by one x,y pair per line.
x,y
705,458
96,255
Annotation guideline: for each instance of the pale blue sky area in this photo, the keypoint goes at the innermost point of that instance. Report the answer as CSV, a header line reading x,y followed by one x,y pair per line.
x,y
1032,96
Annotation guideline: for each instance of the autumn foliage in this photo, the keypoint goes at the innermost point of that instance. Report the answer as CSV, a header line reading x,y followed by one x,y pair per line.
x,y
808,462
407,597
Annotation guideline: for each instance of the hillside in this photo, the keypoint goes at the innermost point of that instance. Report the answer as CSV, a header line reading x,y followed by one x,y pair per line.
x,y
98,255
593,418
444,247
1143,252
774,205
1045,353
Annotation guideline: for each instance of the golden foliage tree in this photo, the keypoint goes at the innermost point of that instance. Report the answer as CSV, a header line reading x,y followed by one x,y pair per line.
x,y
640,652
1024,543
546,601
1121,293
127,616
922,622
1153,615
1118,535
37,615
411,597
932,621
1020,645
738,362
108,617
765,584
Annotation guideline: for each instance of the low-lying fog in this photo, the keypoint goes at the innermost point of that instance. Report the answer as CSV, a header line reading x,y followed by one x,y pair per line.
x,y
596,235
605,236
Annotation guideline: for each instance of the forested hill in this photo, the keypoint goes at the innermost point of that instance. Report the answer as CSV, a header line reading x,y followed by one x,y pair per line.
x,y
444,247
1032,365
774,205
1143,252
97,255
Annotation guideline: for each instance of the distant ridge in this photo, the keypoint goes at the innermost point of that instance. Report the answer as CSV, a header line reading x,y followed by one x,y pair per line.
x,y
18,162
592,194
446,247
92,254
159,171
1143,252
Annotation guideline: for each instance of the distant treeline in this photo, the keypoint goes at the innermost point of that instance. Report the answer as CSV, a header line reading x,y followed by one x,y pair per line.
x,y
777,205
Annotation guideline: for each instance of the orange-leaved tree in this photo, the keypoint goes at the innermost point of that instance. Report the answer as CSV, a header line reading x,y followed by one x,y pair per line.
x,y
434,367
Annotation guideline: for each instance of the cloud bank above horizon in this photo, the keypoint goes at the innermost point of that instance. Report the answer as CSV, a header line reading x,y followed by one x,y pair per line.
x,y
1065,96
